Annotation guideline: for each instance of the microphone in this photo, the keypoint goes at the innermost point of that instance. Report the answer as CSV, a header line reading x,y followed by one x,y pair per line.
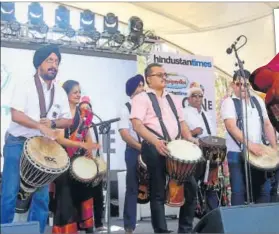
x,y
230,49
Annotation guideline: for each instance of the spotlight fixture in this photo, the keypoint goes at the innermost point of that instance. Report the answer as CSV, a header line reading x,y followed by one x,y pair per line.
x,y
62,18
135,25
8,11
111,24
36,18
14,26
118,38
87,21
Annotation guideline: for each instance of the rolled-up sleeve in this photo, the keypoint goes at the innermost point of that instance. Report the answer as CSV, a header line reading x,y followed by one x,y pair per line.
x,y
139,107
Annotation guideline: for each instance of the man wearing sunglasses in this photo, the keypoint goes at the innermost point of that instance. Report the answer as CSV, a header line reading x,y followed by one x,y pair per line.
x,y
200,125
259,128
156,132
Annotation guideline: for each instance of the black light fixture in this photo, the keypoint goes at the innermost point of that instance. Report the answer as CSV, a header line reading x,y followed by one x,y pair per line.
x,y
111,24
36,18
136,35
8,11
62,18
87,21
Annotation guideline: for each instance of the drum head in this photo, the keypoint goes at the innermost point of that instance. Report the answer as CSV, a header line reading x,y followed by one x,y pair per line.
x,y
184,150
102,166
47,153
84,168
268,161
213,141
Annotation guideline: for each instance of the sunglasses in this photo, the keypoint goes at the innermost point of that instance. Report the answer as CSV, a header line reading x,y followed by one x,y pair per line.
x,y
238,84
197,95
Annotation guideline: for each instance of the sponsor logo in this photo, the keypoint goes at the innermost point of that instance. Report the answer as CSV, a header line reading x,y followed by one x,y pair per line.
x,y
177,84
180,61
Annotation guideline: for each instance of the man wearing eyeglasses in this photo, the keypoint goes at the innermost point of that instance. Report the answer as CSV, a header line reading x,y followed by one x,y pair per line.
x,y
258,130
156,132
200,125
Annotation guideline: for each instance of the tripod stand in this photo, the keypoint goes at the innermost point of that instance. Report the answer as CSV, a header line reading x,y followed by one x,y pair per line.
x,y
104,128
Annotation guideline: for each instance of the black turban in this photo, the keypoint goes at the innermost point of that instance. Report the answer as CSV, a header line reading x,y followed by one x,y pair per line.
x,y
42,53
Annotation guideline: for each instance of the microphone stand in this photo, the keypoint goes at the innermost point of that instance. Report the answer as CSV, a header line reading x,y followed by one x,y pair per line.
x,y
244,149
104,129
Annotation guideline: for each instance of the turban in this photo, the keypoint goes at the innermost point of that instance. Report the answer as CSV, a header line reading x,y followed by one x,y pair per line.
x,y
42,53
133,83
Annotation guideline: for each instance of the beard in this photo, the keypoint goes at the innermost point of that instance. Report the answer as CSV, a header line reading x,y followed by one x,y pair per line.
x,y
49,75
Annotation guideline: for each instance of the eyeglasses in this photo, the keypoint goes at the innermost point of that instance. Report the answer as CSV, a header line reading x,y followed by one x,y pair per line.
x,y
161,75
51,61
238,84
197,95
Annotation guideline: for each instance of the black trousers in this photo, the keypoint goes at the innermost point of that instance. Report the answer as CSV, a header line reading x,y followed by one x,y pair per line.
x,y
156,165
98,204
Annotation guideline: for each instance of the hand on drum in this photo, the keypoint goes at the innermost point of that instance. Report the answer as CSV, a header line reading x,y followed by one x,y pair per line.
x,y
162,147
89,146
198,131
46,122
195,141
256,149
48,132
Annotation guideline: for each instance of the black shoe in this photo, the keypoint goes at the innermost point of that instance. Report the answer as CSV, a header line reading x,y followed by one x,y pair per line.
x,y
162,231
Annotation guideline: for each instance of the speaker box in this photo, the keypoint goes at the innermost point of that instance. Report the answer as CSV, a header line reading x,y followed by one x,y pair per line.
x,y
20,228
255,218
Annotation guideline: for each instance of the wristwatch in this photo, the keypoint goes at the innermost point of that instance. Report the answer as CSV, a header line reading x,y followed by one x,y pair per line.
x,y
53,124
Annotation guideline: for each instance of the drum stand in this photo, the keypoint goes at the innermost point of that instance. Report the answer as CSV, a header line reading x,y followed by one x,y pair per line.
x,y
244,150
104,129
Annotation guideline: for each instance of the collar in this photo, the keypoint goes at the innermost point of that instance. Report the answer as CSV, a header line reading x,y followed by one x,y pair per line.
x,y
149,90
195,109
44,85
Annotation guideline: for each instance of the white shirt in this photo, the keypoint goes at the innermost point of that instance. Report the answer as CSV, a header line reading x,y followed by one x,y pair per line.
x,y
125,122
25,98
254,122
194,119
94,139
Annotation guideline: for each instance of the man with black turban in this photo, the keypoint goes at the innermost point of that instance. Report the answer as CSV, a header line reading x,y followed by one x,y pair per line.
x,y
38,106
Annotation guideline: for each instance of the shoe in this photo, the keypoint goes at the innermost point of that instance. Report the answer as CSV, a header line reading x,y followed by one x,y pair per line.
x,y
128,231
101,229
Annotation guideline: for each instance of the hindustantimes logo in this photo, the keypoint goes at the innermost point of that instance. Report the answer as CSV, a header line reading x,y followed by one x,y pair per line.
x,y
180,61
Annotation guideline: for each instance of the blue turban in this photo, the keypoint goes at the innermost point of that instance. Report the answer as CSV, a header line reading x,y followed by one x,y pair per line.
x,y
42,53
133,83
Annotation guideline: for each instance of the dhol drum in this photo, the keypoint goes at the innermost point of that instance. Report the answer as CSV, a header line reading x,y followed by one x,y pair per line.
x,y
143,178
214,151
267,162
42,161
102,171
84,169
180,164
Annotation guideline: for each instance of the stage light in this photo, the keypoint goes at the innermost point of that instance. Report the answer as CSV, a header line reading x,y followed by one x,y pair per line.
x,y
118,38
62,18
135,25
35,13
8,11
87,21
111,24
14,26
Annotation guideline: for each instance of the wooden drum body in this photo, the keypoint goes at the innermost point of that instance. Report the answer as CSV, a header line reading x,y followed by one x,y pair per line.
x,y
143,178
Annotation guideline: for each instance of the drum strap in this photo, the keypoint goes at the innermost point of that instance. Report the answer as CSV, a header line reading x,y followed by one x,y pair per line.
x,y
128,104
239,122
158,112
206,123
97,138
42,102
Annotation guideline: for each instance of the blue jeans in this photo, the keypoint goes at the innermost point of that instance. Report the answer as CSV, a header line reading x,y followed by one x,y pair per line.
x,y
10,187
261,186
131,196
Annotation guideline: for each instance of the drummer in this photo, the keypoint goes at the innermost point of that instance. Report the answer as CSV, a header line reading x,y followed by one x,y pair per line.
x,y
234,140
134,86
154,149
200,124
26,123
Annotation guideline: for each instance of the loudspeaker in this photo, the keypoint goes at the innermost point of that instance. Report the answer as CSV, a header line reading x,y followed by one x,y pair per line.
x,y
255,218
19,228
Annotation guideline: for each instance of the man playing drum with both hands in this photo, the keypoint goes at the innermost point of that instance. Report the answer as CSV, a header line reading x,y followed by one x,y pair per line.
x,y
26,123
200,125
134,86
259,127
154,150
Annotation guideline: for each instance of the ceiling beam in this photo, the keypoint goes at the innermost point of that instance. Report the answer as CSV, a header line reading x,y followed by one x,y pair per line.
x,y
166,15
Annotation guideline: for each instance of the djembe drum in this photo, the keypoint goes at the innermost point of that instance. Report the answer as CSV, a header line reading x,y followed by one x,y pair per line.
x,y
102,171
214,152
143,178
42,161
180,164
